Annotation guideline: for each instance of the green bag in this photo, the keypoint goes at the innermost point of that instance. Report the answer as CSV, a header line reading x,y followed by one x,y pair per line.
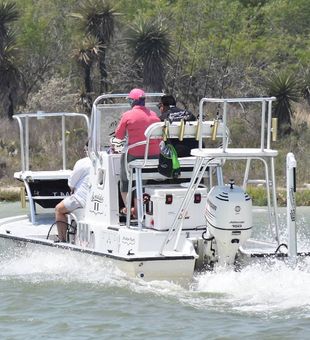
x,y
168,163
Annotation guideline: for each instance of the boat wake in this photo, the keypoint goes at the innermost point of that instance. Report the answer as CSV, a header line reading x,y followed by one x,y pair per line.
x,y
41,266
268,289
263,288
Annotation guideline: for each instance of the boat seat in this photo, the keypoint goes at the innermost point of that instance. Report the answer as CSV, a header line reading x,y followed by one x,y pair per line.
x,y
146,168
149,169
155,131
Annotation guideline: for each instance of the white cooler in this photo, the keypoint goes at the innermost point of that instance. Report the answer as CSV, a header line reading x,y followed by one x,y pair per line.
x,y
164,202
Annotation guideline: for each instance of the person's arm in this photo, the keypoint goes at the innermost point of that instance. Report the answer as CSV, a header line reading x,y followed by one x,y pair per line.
x,y
75,176
164,116
120,131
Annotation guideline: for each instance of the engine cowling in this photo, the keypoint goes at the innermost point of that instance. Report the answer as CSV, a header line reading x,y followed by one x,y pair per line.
x,y
229,220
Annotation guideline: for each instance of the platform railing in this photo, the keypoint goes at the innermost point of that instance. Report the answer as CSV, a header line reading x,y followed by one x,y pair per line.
x,y
23,123
262,153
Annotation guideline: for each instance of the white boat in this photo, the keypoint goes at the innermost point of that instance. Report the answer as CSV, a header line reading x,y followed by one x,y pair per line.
x,y
180,228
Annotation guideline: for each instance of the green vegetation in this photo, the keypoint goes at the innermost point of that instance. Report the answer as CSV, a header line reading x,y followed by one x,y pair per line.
x,y
9,195
258,196
151,45
192,48
59,55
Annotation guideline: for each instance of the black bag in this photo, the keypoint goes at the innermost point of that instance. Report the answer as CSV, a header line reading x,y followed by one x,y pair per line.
x,y
168,162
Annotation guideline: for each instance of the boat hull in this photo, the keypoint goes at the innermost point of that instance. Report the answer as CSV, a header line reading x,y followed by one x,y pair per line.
x,y
169,268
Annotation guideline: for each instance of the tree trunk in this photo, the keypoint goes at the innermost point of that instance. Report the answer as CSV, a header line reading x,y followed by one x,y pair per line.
x,y
87,78
11,107
103,73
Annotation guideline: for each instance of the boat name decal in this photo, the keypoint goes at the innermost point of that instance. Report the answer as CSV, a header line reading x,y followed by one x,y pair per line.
x,y
96,203
53,193
97,198
293,205
293,215
128,240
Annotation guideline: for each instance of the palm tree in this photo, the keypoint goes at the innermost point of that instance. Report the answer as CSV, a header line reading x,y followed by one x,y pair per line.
x,y
306,86
8,14
97,18
152,46
285,87
85,56
11,79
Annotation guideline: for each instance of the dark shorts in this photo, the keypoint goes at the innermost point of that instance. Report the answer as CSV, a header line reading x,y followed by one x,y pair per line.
x,y
123,174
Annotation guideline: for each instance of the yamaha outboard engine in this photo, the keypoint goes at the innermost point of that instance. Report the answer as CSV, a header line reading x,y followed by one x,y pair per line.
x,y
229,220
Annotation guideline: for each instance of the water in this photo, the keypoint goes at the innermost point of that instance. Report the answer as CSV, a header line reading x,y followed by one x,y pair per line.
x,y
44,295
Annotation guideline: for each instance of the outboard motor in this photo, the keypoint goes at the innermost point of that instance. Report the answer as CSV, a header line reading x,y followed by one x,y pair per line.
x,y
229,220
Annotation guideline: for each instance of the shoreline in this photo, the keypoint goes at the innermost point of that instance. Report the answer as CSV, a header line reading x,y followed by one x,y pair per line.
x,y
12,194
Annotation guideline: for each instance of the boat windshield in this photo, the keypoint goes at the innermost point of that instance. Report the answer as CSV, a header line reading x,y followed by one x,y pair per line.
x,y
106,115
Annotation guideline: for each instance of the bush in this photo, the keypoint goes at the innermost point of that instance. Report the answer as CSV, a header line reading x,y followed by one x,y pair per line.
x,y
258,195
9,195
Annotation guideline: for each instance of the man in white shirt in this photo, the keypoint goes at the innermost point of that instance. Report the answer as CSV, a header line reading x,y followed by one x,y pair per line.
x,y
78,183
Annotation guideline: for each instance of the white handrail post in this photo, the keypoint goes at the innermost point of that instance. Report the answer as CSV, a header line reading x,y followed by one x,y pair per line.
x,y
63,134
22,142
269,117
262,133
27,143
201,104
291,204
224,125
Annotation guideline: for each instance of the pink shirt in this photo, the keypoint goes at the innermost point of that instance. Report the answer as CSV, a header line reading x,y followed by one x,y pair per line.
x,y
134,122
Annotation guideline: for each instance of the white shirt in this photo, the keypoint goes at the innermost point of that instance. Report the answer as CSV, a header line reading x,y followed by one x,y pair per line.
x,y
78,180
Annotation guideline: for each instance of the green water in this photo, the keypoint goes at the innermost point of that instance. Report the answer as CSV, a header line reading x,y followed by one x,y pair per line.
x,y
48,295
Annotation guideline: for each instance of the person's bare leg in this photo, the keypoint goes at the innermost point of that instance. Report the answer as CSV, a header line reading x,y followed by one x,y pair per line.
x,y
124,198
61,219
133,210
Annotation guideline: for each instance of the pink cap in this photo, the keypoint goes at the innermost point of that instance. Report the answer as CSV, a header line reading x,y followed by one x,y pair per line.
x,y
136,94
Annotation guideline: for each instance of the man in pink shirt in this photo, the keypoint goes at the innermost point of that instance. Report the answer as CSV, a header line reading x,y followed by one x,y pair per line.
x,y
133,123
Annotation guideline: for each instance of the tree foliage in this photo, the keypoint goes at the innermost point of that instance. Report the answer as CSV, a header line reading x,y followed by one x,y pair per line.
x,y
11,79
86,55
285,87
8,15
190,48
151,46
97,19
